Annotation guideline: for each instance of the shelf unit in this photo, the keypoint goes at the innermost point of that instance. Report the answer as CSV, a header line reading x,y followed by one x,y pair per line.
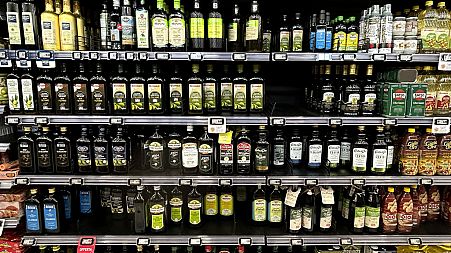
x,y
43,55
281,240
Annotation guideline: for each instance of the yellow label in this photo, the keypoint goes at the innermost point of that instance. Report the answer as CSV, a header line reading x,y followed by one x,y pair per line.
x,y
28,30
340,41
211,204
176,209
226,205
120,96
160,33
429,38
50,31
225,138
233,32
252,29
13,28
275,211
67,31
197,28
154,93
177,32
215,28
257,96
352,41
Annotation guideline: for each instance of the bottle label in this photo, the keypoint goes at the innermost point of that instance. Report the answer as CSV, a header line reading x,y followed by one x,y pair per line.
x,y
176,96
197,28
298,36
81,34
259,210
328,39
226,154
137,93
240,96
372,217
266,44
116,203
129,199
352,41
155,155
174,155
257,97
307,218
226,205
209,95
295,219
206,158
325,221
340,41
411,26
81,97
226,95
101,155
27,94
177,34
67,205
49,35
233,32
345,208
119,154
320,39
62,151
312,40
62,97
67,35
28,29
104,29
25,153
315,153
190,155
333,154
373,32
98,97
120,96
284,41
261,158
359,217
115,33
443,100
194,212
429,37
252,29
32,217
13,94
296,150
157,213
359,158
50,217
160,32
13,28
211,204
398,27
345,151
279,155
390,155
84,155
215,28
195,97
244,153
275,211
176,209
380,160
154,93
142,28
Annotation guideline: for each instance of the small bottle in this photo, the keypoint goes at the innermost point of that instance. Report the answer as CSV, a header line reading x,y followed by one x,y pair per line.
x,y
84,152
243,152
211,202
279,150
51,213
259,206
33,215
379,153
333,150
405,212
360,152
157,209
26,150
308,211
357,213
63,153
372,211
226,202
315,149
44,152
206,154
295,148
261,152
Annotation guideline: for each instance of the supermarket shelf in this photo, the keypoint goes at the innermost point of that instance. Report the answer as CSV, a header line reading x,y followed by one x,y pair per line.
x,y
11,223
359,180
349,121
317,240
138,180
282,56
149,240
130,120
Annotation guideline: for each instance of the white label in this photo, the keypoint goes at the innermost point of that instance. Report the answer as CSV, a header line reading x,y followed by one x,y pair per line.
x,y
13,28
315,153
142,28
390,155
296,150
333,153
27,94
177,32
441,125
190,155
359,157
345,151
13,94
292,197
380,158
28,29
49,34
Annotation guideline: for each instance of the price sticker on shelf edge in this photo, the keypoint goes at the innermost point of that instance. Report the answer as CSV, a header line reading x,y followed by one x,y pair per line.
x,y
76,181
379,57
345,241
280,56
227,182
217,125
134,182
3,55
275,182
22,181
348,57
94,55
444,62
41,120
358,181
142,56
86,244
185,182
405,57
336,122
245,241
441,125
239,56
415,241
426,181
195,56
28,241
297,242
130,56
2,226
112,56
390,122
195,241
12,120
77,56
162,56
278,121
311,182
116,121
143,241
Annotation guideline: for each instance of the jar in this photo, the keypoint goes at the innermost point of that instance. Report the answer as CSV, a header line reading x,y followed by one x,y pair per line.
x,y
398,44
399,26
411,45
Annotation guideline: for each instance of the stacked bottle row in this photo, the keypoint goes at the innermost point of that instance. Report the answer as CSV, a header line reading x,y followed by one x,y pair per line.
x,y
135,92
311,209
438,91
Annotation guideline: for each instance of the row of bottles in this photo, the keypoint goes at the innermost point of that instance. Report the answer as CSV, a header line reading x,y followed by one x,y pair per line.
x,y
136,92
296,209
438,91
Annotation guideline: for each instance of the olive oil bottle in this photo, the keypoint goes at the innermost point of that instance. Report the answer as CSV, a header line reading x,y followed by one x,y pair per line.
x,y
240,91
176,94
44,152
194,208
101,152
154,148
120,153
174,151
81,91
195,92
177,36
176,206
63,152
226,89
259,207
51,213
235,31
33,213
211,202
157,211
333,149
50,28
254,29
226,201
261,152
190,152
197,28
243,152
28,92
206,154
226,155
275,207
140,211
63,101
26,151
256,91
120,92
160,28
215,28
360,152
45,94
14,94
155,92
99,91
68,28
210,88
138,91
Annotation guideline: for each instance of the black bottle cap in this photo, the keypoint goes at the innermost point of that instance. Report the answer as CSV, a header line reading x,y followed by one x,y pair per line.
x,y
99,68
120,68
63,67
81,67
138,68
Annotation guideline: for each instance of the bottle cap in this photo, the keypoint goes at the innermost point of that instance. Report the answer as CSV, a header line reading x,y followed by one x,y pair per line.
x,y
189,128
27,129
156,188
411,130
51,190
441,4
406,189
414,186
428,130
46,129
63,129
140,187
391,189
33,191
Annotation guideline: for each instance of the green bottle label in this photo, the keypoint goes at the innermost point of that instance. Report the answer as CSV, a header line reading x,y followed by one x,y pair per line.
x,y
275,211
226,95
252,29
176,209
194,212
211,204
209,95
297,40
215,28
226,205
240,96
157,213
195,97
257,96
372,217
284,41
176,93
197,28
137,92
359,217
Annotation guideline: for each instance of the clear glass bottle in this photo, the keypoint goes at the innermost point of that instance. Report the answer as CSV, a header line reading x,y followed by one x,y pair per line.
x,y
254,29
427,25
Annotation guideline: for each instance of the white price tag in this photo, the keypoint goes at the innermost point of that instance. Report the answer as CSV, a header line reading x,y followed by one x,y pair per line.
x,y
185,182
441,125
3,54
292,196
444,62
22,181
195,56
134,182
41,121
345,241
12,120
405,57
415,241
28,241
297,242
217,125
390,122
76,181
112,56
77,56
2,226
162,56
143,241
23,64
358,181
239,56
93,55
311,182
225,182
426,181
22,55
195,241
280,56
142,56
336,122
245,241
348,57
129,56
116,121
5,63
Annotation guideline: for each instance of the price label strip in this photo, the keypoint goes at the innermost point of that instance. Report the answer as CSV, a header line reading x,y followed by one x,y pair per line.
x,y
86,244
45,60
217,125
441,125
5,62
444,62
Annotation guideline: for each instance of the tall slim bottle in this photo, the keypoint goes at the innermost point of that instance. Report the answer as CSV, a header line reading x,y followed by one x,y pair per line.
x,y
101,152
195,92
33,213
62,82
360,152
254,29
63,152
14,24
177,32
206,153
155,92
157,211
176,206
104,21
284,35
81,35
197,28
190,152
142,25
138,91
115,25
51,213
215,29
194,208
26,150
45,94
30,25
154,149
298,34
176,93
261,152
174,150
235,31
120,153
160,28
98,87
243,152
68,28
28,92
50,28
128,26
84,152
44,152
81,91
240,91
320,39
120,92
259,206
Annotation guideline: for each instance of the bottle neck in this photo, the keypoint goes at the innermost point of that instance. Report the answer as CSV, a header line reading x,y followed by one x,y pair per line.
x,y
196,5
77,8
255,7
160,4
49,5
66,6
177,5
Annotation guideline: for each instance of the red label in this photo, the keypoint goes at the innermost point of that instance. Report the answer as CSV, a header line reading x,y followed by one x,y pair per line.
x,y
399,94
244,146
86,244
419,95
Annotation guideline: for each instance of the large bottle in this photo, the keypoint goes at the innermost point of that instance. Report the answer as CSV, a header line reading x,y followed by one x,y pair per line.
x,y
101,152
284,35
240,91
155,92
51,213
410,153
352,94
176,93
142,25
254,30
259,206
26,151
176,206
68,28
120,92
369,97
128,26
177,34
210,91
120,152
308,211
320,38
261,152
298,34
256,90
372,211
28,92
138,91
44,152
444,156
206,154
427,165
81,91
226,90
197,28
325,218
160,29
195,92
215,28
157,211
140,211
174,151
235,31
386,30
315,149
332,156
194,209
14,100
190,152
63,152
327,94
294,210
389,212
357,212
360,152
104,21
243,152
14,24
427,26
82,36
98,87
33,213
379,153
115,25
373,31
154,151
30,25
275,207
62,83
